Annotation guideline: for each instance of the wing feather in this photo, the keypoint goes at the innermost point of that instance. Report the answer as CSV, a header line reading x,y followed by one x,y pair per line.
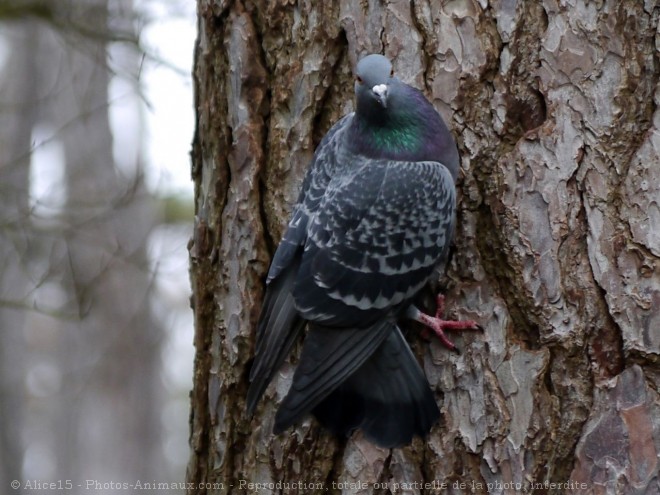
x,y
373,243
279,322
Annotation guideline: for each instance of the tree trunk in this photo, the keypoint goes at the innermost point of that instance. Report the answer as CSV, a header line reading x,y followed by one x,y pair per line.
x,y
557,246
17,117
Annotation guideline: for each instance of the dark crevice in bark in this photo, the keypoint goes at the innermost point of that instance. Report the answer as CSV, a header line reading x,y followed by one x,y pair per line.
x,y
328,100
497,265
605,341
427,49
382,36
218,66
569,414
337,464
271,243
611,365
385,475
566,443
526,109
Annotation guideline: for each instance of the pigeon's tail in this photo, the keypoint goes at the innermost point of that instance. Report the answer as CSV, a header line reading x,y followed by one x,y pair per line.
x,y
329,357
279,326
388,398
364,379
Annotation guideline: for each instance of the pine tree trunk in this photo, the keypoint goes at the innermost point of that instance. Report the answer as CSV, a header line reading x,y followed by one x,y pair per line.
x,y
553,105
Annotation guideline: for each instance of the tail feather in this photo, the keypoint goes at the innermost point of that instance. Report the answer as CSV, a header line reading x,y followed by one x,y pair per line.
x,y
329,356
388,398
279,327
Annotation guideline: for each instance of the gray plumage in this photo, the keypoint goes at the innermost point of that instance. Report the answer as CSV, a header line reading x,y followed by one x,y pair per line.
x,y
374,218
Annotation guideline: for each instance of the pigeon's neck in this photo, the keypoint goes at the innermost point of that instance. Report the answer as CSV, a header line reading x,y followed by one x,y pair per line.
x,y
409,129
388,138
394,136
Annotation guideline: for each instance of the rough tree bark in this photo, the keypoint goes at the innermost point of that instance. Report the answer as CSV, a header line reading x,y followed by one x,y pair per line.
x,y
554,106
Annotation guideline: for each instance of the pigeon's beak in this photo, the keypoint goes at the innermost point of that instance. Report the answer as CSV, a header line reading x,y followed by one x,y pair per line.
x,y
380,90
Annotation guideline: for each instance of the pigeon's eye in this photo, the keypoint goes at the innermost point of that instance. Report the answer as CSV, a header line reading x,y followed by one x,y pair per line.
x,y
359,79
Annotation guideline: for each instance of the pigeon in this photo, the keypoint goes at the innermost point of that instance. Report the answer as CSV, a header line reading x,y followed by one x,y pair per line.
x,y
374,219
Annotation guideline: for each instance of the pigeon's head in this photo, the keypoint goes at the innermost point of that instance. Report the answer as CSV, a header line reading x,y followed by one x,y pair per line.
x,y
373,79
395,121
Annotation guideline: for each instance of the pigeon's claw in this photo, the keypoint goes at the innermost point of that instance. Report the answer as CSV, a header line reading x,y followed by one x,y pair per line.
x,y
438,325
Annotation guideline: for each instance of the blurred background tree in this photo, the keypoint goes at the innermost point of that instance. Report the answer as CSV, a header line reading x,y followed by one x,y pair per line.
x,y
83,324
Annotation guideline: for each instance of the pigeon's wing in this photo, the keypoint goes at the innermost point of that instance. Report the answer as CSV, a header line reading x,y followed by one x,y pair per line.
x,y
279,326
279,323
314,186
388,398
373,243
329,356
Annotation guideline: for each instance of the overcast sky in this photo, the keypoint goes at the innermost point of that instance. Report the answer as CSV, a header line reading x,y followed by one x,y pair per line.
x,y
169,35
170,122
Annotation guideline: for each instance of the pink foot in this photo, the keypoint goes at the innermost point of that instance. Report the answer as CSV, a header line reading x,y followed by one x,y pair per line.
x,y
438,325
